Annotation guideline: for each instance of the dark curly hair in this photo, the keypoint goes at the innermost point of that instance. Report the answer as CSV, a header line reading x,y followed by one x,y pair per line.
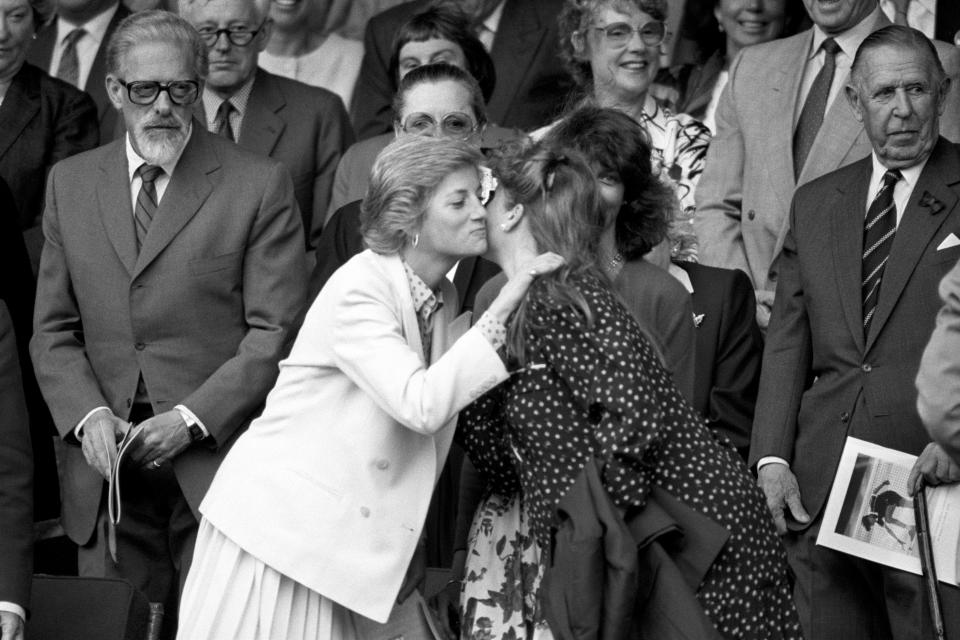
x,y
613,141
447,23
577,15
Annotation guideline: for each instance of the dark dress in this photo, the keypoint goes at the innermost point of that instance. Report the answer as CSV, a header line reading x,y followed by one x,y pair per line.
x,y
600,391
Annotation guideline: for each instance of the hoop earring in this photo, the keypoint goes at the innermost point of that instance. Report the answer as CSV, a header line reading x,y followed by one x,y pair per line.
x,y
416,239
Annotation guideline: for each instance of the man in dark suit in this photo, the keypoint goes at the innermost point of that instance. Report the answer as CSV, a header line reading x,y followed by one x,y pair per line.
x,y
306,128
531,82
73,47
171,277
16,492
855,304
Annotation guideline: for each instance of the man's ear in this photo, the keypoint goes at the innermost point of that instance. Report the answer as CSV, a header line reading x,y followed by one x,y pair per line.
x,y
263,36
114,91
944,90
853,98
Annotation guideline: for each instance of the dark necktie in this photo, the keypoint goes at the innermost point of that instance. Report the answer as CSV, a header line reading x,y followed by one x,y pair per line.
x,y
880,226
69,68
811,117
146,201
223,120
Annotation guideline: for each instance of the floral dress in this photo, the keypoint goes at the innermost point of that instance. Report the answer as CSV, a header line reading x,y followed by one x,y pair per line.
x,y
598,390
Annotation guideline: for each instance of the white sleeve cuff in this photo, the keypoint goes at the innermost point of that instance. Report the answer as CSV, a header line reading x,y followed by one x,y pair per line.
x,y
78,430
765,460
13,608
190,418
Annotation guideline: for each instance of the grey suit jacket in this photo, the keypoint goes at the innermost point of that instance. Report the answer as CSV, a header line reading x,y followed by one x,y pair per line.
x,y
822,379
744,193
305,128
204,311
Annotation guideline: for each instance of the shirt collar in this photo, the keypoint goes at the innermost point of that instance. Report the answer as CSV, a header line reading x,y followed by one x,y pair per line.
x,y
910,175
492,23
850,39
134,160
212,102
96,27
425,300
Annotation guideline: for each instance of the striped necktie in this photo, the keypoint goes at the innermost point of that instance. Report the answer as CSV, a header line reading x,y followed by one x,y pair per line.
x,y
880,227
146,206
69,68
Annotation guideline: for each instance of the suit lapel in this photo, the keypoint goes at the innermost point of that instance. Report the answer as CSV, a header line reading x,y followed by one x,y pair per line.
x,y
518,37
848,211
393,265
785,88
20,106
116,209
261,125
189,187
836,137
916,229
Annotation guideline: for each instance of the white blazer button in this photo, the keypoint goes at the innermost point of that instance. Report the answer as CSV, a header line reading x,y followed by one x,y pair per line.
x,y
382,465
365,512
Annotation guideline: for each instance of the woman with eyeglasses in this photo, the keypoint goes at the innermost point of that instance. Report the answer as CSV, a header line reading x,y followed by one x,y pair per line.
x,y
587,393
312,527
612,49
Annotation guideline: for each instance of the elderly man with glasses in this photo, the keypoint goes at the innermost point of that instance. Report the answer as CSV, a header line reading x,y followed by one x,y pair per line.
x,y
170,281
304,127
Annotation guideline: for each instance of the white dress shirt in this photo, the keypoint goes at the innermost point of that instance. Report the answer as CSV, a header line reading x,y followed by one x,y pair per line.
x,y
87,46
239,100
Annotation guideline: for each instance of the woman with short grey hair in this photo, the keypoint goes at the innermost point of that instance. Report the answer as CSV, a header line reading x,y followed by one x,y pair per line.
x,y
312,526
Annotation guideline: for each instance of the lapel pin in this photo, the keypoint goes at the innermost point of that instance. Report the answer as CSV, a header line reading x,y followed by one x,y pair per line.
x,y
929,202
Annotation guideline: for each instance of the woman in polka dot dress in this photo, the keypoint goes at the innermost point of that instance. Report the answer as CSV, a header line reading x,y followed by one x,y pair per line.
x,y
587,384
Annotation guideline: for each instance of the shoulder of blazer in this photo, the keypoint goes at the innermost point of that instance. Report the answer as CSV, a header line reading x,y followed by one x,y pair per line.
x,y
280,92
845,175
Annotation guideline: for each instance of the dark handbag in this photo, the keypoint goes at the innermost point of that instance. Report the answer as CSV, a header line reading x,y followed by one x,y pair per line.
x,y
90,609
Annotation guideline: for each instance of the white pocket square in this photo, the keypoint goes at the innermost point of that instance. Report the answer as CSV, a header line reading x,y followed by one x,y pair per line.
x,y
950,241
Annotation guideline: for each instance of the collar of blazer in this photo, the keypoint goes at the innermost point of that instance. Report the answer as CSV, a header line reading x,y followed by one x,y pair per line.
x,y
20,105
938,184
188,188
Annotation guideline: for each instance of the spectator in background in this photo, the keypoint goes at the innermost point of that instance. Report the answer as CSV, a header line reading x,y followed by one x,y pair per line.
x,y
521,36
305,128
775,133
856,297
16,493
171,278
612,48
73,48
435,35
724,28
934,18
42,120
302,48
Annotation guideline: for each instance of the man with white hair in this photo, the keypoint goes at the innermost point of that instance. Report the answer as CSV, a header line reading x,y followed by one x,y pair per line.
x,y
306,128
170,281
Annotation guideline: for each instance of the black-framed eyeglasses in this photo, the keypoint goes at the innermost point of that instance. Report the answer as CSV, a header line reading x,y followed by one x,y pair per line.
x,y
238,36
618,34
452,125
146,92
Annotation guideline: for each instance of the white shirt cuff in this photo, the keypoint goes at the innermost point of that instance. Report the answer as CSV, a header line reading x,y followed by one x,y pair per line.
x,y
78,430
765,460
190,418
13,608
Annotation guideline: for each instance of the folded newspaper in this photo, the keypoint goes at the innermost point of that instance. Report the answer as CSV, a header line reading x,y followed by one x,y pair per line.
x,y
870,512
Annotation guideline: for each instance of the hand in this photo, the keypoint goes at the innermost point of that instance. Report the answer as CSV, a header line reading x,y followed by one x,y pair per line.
x,y
933,467
99,438
780,488
446,603
764,307
11,626
164,437
416,574
516,288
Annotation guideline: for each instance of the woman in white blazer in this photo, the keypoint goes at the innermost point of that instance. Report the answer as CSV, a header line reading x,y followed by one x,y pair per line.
x,y
314,517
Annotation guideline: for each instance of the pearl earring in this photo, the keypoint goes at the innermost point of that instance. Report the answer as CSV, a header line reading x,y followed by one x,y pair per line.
x,y
503,226
416,239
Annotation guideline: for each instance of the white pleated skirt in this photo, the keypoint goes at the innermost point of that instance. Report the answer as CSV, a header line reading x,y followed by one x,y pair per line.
x,y
231,595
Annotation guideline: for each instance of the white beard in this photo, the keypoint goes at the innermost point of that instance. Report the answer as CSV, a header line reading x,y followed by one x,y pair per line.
x,y
160,147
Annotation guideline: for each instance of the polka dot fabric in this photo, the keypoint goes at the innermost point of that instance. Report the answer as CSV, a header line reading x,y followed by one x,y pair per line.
x,y
604,393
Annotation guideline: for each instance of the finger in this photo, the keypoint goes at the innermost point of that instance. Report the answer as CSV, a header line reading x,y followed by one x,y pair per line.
x,y
776,512
796,506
